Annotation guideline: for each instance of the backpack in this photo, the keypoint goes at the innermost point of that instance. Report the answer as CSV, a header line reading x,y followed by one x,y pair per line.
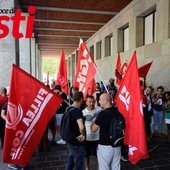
x,y
67,134
116,131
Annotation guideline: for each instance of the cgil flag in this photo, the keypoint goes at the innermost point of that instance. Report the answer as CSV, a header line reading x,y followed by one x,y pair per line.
x,y
129,103
120,70
30,107
62,79
124,69
118,74
85,71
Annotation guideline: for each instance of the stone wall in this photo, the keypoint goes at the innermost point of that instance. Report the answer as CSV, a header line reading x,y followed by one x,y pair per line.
x,y
159,51
23,52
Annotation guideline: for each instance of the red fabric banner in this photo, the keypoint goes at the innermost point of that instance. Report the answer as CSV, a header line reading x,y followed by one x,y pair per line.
x,y
143,70
124,69
62,79
30,107
129,103
92,90
118,73
85,71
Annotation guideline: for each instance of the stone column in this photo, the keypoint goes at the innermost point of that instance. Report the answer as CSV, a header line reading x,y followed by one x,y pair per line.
x,y
73,66
25,47
8,47
69,69
38,64
40,71
33,55
36,61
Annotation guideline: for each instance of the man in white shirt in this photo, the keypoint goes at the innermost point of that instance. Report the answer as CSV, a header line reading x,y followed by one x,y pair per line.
x,y
91,138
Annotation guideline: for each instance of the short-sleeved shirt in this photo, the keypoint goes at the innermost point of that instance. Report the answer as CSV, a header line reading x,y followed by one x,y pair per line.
x,y
74,116
158,105
167,113
89,115
103,120
112,90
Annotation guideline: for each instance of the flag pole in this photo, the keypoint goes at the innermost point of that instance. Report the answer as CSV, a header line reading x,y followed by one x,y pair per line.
x,y
100,78
67,102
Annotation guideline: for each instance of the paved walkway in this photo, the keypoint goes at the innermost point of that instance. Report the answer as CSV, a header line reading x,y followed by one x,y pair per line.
x,y
56,157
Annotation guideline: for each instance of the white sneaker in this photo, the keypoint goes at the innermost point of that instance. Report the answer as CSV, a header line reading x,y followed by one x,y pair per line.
x,y
61,142
13,166
124,158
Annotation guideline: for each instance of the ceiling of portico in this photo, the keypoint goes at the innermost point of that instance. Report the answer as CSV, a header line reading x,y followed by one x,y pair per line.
x,y
61,23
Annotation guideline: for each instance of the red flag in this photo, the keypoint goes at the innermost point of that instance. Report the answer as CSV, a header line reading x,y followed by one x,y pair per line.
x,y
143,70
124,69
129,103
62,74
85,70
118,73
92,89
31,105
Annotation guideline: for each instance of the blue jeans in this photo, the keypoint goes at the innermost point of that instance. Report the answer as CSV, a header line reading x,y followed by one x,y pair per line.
x,y
157,118
76,156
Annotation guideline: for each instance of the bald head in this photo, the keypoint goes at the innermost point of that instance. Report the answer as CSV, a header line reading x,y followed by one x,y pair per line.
x,y
105,100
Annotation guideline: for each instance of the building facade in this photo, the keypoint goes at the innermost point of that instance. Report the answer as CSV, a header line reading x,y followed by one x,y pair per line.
x,y
143,26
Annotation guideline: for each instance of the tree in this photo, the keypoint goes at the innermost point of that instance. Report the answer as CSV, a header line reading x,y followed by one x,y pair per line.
x,y
50,65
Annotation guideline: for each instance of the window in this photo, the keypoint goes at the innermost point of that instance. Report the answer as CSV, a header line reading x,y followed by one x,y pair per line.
x,y
123,38
69,66
150,28
108,45
92,52
146,27
126,39
98,50
73,64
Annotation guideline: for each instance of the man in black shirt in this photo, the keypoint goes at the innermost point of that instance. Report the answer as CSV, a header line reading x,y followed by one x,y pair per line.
x,y
108,156
76,147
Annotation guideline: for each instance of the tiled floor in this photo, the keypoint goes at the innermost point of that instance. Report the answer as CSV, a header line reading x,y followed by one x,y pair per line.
x,y
56,157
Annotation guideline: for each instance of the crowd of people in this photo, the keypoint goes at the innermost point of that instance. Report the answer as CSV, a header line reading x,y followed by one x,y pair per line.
x,y
91,120
156,109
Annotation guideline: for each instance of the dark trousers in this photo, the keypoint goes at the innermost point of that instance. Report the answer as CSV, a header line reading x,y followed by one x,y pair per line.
x,y
76,156
2,131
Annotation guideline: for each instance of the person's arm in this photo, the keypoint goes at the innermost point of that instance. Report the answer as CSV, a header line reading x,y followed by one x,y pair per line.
x,y
166,107
94,127
81,129
154,99
3,114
